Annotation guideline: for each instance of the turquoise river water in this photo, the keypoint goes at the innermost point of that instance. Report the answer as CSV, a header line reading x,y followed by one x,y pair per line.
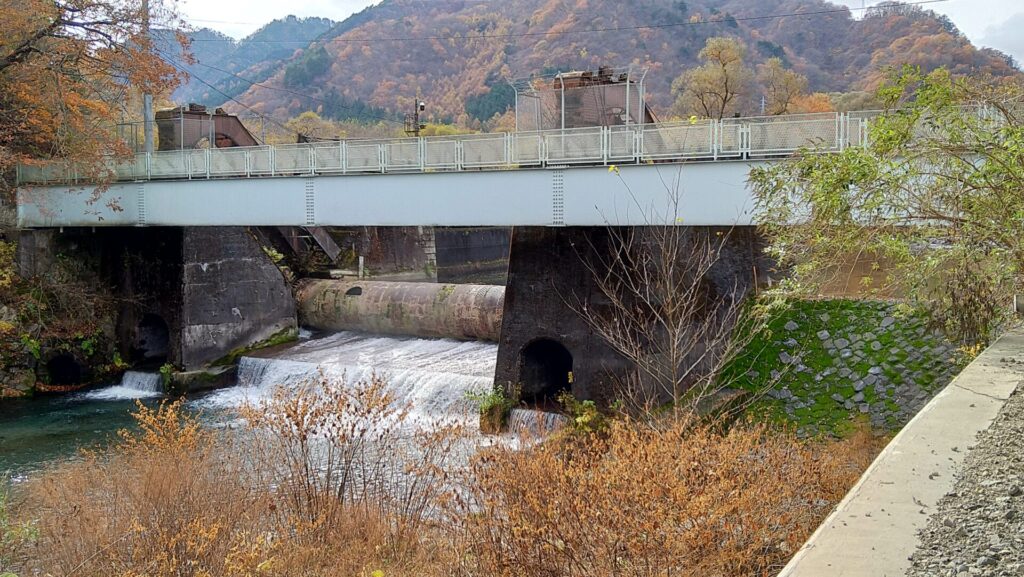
x,y
432,375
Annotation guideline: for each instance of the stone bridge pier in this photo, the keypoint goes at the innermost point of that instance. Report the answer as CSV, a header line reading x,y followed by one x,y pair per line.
x,y
547,347
186,296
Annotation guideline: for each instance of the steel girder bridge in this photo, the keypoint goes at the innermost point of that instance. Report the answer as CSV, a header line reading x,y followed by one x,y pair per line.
x,y
631,175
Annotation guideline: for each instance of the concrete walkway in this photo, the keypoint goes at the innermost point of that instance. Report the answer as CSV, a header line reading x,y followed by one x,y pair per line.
x,y
874,530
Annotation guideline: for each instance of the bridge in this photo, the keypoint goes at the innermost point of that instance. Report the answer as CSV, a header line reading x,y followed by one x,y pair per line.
x,y
623,175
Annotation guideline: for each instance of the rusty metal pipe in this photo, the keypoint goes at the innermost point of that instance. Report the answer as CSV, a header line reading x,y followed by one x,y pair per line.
x,y
465,312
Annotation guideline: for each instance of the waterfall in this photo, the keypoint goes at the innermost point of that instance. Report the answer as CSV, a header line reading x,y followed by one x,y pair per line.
x,y
431,375
134,385
534,423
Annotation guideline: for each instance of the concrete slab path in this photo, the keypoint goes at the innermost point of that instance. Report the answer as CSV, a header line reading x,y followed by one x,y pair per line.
x,y
874,529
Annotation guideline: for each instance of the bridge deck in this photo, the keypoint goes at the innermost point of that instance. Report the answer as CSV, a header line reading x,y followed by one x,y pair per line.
x,y
702,140
551,178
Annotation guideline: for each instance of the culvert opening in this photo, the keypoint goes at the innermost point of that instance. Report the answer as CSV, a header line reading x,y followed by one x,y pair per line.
x,y
545,373
64,370
354,291
152,340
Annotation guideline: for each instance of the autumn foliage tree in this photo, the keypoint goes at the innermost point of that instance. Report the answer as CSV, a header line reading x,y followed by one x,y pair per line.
x,y
782,88
934,201
716,88
69,70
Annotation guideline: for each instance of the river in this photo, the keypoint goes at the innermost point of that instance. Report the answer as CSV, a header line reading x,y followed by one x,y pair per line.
x,y
432,375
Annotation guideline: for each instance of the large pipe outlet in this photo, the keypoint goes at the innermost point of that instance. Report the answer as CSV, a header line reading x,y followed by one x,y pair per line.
x,y
468,312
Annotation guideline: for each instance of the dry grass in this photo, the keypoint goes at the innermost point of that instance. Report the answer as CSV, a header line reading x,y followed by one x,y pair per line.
x,y
322,492
644,502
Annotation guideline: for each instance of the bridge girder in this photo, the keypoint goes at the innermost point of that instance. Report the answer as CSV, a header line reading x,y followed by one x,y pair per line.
x,y
709,194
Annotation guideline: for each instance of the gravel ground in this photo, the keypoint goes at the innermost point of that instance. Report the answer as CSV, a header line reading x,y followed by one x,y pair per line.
x,y
978,528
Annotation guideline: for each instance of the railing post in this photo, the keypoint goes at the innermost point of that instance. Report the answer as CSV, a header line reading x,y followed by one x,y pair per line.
x,y
460,155
344,156
716,138
272,160
209,160
510,146
422,147
312,159
638,143
149,165
604,145
382,157
248,164
840,132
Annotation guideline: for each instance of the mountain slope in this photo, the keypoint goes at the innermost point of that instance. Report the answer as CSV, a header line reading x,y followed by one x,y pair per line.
x,y
455,54
255,57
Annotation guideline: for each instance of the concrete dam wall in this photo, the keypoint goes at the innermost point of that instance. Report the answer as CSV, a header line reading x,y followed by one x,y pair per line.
x,y
465,312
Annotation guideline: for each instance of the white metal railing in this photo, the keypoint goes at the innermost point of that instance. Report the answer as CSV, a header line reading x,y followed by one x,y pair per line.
x,y
733,138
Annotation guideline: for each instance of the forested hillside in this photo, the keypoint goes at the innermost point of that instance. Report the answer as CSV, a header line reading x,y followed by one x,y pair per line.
x,y
255,57
456,54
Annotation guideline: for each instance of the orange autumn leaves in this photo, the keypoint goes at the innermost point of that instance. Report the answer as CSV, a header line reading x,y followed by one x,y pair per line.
x,y
69,71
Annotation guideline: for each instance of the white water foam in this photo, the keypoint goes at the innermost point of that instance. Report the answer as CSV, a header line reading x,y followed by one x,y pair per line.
x,y
134,385
431,375
535,423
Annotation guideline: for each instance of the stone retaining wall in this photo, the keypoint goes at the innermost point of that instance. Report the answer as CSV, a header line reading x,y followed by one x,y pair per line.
x,y
829,360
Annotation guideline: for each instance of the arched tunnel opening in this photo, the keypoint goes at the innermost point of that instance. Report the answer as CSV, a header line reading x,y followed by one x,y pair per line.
x,y
64,370
545,373
152,340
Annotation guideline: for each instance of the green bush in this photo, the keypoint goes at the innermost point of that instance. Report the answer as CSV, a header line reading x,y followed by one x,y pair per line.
x,y
166,373
584,416
495,406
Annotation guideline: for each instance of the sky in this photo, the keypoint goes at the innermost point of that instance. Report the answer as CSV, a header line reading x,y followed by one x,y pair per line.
x,y
993,23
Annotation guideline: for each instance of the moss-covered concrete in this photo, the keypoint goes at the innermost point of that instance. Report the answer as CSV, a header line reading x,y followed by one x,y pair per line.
x,y
285,336
825,365
202,380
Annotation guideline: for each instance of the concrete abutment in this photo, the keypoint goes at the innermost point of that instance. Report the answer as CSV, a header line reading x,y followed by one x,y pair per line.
x,y
233,296
547,346
185,296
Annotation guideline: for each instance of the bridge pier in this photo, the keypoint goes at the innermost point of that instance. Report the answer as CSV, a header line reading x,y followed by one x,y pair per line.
x,y
547,347
232,296
186,296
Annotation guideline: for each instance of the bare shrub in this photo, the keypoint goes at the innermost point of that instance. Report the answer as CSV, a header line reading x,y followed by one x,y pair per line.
x,y
672,301
15,535
165,501
329,447
177,499
317,489
680,500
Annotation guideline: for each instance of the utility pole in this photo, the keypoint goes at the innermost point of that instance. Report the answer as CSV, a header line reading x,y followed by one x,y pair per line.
x,y
412,120
147,99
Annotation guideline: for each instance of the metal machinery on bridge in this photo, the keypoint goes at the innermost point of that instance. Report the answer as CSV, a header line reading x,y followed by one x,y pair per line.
x,y
191,127
581,99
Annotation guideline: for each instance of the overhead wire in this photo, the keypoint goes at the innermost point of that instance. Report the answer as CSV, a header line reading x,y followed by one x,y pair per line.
x,y
264,117
280,89
718,20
